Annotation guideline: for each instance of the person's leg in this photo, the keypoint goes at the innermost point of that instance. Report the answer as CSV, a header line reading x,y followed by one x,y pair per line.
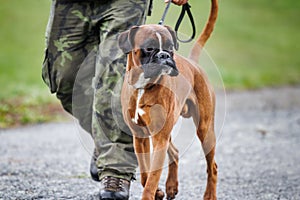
x,y
112,138
71,50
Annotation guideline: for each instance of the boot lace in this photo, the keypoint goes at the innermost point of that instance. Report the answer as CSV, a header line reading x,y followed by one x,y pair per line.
x,y
112,183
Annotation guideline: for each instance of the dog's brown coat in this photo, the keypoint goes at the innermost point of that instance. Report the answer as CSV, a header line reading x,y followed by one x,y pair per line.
x,y
189,94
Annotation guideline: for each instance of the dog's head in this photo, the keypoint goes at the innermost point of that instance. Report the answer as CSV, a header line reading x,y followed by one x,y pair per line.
x,y
150,49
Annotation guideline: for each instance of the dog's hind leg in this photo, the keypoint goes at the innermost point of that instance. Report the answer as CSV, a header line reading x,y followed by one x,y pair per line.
x,y
208,146
204,121
172,179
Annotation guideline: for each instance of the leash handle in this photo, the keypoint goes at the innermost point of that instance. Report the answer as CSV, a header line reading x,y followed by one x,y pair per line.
x,y
186,8
161,22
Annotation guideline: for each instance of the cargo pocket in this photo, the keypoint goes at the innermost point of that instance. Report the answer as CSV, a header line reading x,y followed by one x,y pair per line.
x,y
46,73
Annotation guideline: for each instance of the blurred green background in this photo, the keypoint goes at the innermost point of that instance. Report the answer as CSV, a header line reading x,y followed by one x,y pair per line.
x,y
255,44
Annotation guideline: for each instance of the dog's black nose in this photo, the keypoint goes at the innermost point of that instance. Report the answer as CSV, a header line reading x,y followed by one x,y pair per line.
x,y
163,55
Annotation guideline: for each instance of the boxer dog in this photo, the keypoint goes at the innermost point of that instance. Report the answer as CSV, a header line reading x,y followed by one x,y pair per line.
x,y
160,86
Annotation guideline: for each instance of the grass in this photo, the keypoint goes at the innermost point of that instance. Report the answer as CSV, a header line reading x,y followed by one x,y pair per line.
x,y
260,42
22,43
24,98
255,44
28,110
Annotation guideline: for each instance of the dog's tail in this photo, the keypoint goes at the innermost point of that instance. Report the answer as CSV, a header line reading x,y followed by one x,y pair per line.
x,y
208,29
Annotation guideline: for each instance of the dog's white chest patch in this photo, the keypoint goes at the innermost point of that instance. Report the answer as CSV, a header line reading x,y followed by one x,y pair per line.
x,y
141,82
138,110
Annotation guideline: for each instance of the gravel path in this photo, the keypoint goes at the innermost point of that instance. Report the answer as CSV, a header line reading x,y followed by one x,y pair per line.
x,y
258,154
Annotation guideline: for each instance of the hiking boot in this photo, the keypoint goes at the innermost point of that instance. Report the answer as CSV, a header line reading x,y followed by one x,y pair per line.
x,y
94,168
112,188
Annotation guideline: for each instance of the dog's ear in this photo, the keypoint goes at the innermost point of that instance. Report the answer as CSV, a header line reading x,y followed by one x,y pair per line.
x,y
176,44
126,39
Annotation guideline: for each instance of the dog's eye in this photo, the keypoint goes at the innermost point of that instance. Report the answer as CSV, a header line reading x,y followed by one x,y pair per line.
x,y
149,49
170,48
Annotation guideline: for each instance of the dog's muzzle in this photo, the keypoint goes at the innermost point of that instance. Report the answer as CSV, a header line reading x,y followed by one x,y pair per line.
x,y
160,63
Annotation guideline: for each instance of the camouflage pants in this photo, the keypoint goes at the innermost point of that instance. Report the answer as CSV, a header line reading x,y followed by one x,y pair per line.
x,y
84,67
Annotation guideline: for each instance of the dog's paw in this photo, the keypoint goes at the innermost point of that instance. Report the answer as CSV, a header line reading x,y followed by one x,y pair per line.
x,y
159,195
171,189
209,196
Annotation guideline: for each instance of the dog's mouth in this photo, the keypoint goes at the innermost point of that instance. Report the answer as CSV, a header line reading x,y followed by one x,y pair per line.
x,y
154,70
159,63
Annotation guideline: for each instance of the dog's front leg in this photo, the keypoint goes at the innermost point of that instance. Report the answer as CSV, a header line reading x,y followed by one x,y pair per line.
x,y
172,179
142,150
160,145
